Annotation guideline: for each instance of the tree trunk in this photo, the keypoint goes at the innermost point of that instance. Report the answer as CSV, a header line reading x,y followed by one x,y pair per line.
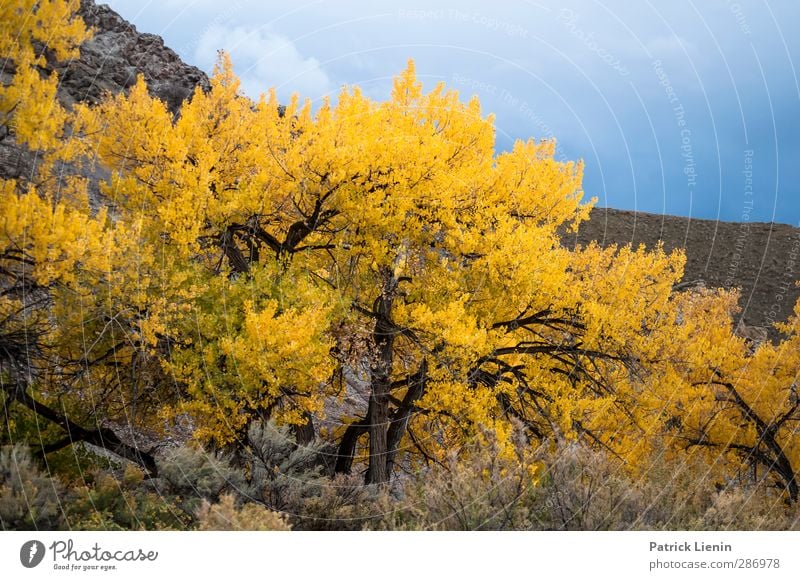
x,y
347,446
378,471
380,374
401,417
305,435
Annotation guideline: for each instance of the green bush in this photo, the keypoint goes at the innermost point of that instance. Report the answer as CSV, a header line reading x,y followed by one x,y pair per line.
x,y
109,501
29,499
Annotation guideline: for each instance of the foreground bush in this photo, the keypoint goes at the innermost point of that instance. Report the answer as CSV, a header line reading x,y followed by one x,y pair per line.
x,y
282,486
29,499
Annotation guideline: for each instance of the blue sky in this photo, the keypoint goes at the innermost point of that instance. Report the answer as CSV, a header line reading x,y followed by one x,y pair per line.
x,y
680,107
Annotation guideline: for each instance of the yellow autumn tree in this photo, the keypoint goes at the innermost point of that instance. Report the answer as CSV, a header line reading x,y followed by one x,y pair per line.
x,y
42,242
381,247
734,402
374,274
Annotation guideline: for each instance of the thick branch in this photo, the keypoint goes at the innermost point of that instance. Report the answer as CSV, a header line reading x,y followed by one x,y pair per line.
x,y
102,437
540,318
767,434
232,252
546,348
780,465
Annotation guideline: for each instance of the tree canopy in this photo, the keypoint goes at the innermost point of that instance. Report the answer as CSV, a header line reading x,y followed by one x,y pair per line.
x,y
374,274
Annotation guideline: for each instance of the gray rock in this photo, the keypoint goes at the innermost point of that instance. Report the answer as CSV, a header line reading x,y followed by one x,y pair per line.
x,y
117,53
108,64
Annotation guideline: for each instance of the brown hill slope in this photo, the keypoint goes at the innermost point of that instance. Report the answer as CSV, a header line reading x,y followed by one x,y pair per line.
x,y
763,259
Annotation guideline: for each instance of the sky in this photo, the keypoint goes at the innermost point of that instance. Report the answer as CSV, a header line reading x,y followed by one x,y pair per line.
x,y
683,107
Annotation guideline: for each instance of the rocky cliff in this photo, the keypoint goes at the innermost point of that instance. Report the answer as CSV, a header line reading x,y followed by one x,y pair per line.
x,y
117,53
109,63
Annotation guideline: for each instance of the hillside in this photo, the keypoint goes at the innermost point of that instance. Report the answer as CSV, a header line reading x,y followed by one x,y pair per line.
x,y
759,258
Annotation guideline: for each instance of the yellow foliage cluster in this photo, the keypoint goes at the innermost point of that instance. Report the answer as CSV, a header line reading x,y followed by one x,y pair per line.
x,y
28,105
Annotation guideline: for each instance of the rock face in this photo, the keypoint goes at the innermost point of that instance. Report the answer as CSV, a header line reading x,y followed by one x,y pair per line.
x,y
109,63
117,53
760,258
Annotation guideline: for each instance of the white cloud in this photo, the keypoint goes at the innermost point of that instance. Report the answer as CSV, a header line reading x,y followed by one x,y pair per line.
x,y
263,60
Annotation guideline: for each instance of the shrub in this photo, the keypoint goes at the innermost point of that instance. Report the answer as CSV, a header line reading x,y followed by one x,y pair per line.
x,y
108,501
28,498
226,515
477,488
290,478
